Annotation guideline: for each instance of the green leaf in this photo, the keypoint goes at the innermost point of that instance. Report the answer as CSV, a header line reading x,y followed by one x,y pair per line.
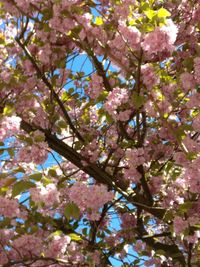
x,y
21,186
62,124
2,39
75,237
3,175
98,21
138,100
163,13
150,13
36,176
197,226
144,6
39,138
56,233
91,264
19,170
8,110
52,173
5,222
185,206
9,181
188,63
46,181
72,210
11,152
47,14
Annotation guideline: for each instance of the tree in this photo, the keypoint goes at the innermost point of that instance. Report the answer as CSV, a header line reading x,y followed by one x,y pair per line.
x,y
99,131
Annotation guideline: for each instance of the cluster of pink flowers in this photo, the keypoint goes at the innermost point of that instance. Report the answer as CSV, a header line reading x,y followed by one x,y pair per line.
x,y
95,86
149,77
187,81
49,194
3,257
194,100
181,159
196,123
191,145
9,126
197,69
139,246
91,151
28,245
156,184
36,153
123,9
75,252
118,45
124,115
179,225
25,103
191,176
128,222
91,199
9,207
151,110
131,35
114,100
57,246
34,111
95,257
45,53
134,157
131,174
5,75
5,236
162,39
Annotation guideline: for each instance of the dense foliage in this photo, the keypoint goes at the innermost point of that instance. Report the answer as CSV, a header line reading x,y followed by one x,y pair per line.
x,y
99,133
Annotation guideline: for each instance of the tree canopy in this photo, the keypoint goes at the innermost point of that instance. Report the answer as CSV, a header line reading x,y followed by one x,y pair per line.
x,y
99,133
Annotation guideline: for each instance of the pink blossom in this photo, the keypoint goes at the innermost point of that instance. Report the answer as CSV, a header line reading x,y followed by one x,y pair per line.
x,y
58,246
49,195
115,99
95,86
179,225
128,221
9,207
123,115
91,151
131,35
91,199
149,77
36,153
187,81
197,69
191,145
180,158
28,245
139,246
9,126
161,39
196,123
194,100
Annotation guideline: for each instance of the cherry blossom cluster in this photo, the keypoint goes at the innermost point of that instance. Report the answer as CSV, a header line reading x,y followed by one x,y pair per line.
x,y
91,199
114,100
